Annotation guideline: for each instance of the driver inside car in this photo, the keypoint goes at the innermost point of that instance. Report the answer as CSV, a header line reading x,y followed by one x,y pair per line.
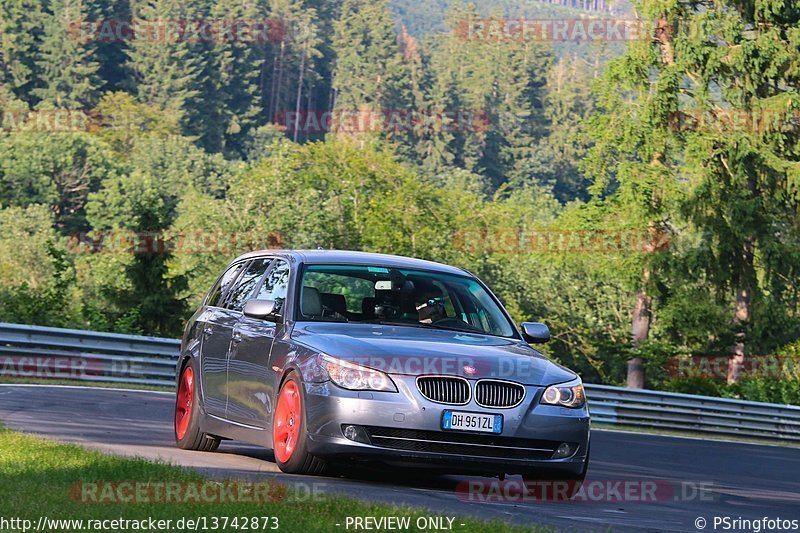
x,y
430,305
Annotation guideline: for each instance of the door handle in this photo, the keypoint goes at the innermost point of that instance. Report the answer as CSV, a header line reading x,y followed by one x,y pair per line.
x,y
208,330
236,337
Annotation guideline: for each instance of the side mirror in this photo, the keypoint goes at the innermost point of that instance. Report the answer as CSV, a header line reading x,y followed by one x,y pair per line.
x,y
535,333
261,310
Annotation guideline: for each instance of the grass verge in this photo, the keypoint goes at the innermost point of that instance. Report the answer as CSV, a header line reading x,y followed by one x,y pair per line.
x,y
43,478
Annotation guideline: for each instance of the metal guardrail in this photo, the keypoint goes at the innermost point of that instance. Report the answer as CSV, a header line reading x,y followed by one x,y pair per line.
x,y
55,353
700,414
43,352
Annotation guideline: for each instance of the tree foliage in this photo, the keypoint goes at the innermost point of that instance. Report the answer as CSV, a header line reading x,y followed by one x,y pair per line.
x,y
645,207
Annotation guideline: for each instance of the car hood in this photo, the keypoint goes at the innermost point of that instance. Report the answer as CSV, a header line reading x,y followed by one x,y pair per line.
x,y
419,351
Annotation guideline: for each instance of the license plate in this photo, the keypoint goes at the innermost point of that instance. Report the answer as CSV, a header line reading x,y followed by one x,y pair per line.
x,y
461,421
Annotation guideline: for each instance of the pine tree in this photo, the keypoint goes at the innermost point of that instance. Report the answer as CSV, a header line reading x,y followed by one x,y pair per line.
x,y
236,67
68,70
567,105
742,145
436,146
307,43
21,28
370,75
500,81
278,67
633,166
10,103
112,54
702,116
319,85
168,72
422,121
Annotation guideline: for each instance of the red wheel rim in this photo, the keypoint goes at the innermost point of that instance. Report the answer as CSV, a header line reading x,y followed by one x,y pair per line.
x,y
286,427
183,405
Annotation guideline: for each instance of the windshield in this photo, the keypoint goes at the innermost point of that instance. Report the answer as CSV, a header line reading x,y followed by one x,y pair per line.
x,y
415,298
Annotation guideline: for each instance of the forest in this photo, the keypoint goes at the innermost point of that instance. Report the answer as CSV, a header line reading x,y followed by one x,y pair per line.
x,y
639,197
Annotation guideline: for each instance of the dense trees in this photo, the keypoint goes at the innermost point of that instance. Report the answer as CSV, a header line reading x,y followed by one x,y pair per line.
x,y
59,171
646,207
22,27
695,137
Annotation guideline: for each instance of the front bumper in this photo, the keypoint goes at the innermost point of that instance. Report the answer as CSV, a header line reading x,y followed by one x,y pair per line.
x,y
531,432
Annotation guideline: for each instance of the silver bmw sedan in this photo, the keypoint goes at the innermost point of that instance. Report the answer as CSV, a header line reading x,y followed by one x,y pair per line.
x,y
332,357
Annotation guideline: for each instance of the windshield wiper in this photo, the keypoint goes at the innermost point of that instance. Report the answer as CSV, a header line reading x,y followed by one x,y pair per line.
x,y
418,325
379,322
452,328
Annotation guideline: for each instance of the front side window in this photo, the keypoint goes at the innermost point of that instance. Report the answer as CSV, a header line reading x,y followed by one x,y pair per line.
x,y
276,285
247,284
379,295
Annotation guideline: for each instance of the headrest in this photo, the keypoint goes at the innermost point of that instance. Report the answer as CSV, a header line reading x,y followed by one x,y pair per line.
x,y
334,302
368,305
310,302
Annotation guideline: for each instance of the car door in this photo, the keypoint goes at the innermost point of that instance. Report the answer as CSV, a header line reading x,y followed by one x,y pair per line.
x,y
217,325
251,380
244,290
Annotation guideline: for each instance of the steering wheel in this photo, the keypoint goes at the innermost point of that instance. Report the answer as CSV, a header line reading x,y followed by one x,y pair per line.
x,y
453,322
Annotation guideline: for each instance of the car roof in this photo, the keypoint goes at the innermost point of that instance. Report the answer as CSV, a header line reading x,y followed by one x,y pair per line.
x,y
344,257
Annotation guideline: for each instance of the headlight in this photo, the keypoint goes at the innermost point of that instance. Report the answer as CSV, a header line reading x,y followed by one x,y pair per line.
x,y
565,394
356,377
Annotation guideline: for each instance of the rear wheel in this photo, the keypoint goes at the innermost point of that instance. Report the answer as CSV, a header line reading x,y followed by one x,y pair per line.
x,y
289,436
187,414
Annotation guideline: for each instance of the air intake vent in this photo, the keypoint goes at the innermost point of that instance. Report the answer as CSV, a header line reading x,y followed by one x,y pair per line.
x,y
452,390
501,394
462,444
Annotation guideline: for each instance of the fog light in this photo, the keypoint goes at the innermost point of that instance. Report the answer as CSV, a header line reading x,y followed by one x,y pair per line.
x,y
564,450
356,434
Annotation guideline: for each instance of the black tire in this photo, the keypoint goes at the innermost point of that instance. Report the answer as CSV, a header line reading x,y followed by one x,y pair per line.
x,y
192,438
300,461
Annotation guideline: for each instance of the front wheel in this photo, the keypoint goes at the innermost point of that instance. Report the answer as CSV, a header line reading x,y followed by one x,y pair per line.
x,y
187,414
289,436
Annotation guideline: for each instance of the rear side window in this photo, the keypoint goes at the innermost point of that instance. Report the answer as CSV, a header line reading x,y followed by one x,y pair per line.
x,y
223,286
247,284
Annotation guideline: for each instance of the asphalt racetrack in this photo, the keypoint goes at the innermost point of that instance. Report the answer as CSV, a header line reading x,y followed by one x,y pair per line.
x,y
685,482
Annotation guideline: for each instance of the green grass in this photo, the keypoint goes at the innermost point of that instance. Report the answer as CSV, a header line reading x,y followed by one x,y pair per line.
x,y
77,382
43,478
